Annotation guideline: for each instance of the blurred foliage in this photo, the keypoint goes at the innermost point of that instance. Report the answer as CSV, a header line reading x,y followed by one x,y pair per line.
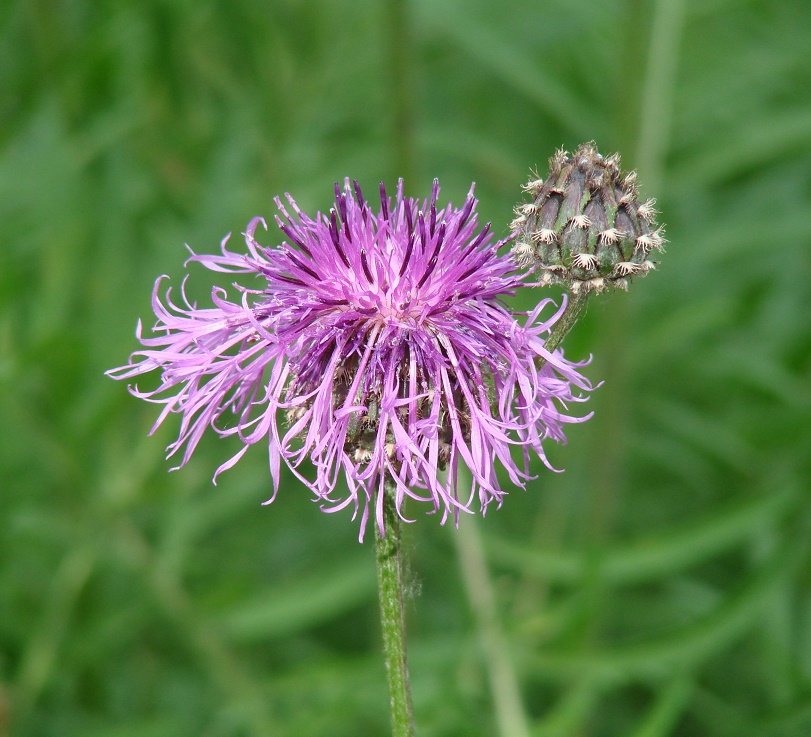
x,y
660,587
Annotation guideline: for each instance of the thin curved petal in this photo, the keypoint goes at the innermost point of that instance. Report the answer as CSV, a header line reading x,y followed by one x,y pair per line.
x,y
375,346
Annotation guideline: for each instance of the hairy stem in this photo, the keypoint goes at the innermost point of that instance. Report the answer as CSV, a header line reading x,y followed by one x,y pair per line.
x,y
390,586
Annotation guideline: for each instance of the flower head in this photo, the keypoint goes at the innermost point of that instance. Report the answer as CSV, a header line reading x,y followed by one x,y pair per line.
x,y
586,227
376,346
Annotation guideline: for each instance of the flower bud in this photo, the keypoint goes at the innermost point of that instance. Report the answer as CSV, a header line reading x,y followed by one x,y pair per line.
x,y
586,227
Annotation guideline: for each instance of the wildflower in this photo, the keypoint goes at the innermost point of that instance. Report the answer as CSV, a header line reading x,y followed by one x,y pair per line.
x,y
376,346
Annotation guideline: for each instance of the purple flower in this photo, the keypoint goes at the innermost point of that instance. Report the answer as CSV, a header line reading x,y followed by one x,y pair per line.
x,y
376,346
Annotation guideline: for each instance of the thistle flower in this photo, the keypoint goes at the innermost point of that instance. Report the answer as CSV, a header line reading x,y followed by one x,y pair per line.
x,y
586,227
376,346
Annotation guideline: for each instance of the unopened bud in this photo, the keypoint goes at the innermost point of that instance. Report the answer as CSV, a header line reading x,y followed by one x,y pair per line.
x,y
586,227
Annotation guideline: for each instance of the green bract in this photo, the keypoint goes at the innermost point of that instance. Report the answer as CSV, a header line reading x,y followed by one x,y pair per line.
x,y
586,227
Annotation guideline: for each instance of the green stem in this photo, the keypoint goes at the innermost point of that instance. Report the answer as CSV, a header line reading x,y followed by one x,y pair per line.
x,y
510,716
567,320
399,44
390,586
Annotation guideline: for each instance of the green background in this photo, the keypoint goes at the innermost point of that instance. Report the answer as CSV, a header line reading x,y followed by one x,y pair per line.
x,y
660,586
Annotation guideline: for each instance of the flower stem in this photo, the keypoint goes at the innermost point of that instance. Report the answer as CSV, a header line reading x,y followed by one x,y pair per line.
x,y
576,303
510,716
390,588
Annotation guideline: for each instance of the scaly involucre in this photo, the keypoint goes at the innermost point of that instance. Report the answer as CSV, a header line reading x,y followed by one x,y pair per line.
x,y
377,347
